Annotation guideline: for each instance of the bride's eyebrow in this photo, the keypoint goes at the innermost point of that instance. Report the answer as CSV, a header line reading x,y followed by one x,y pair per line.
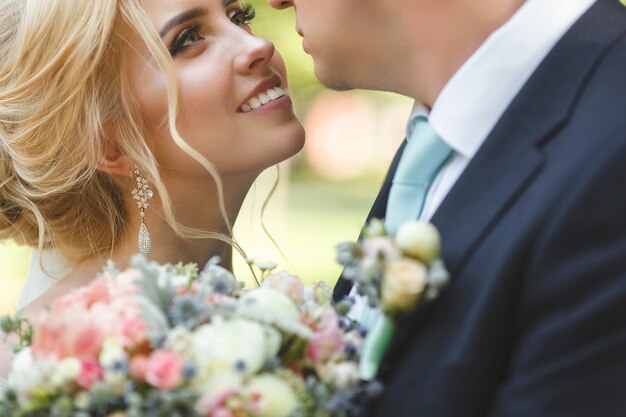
x,y
183,17
190,14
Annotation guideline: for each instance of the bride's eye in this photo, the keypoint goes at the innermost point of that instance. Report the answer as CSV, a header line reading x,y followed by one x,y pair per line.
x,y
187,37
242,16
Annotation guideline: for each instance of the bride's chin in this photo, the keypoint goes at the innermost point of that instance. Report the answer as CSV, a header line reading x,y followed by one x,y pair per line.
x,y
295,140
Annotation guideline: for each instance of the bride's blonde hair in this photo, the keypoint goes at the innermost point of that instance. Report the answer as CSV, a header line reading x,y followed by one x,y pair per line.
x,y
63,84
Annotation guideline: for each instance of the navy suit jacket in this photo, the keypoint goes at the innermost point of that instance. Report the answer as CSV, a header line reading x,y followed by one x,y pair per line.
x,y
534,236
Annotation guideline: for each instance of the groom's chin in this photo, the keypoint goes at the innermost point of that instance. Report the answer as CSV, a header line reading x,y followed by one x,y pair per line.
x,y
330,79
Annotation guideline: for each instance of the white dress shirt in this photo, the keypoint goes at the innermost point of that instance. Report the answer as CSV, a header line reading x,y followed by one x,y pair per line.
x,y
472,102
474,99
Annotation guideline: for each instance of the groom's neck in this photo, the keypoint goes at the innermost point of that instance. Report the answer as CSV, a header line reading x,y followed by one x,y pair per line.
x,y
442,39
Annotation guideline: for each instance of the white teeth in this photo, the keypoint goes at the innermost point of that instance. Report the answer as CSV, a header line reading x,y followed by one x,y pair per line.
x,y
255,103
263,98
273,94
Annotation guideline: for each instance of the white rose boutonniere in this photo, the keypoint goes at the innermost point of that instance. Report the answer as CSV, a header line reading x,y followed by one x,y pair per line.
x,y
397,274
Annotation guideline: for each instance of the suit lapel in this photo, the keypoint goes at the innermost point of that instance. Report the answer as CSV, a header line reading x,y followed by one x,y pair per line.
x,y
511,156
378,210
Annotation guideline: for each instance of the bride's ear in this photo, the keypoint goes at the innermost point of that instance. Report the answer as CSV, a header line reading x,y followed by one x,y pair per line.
x,y
115,162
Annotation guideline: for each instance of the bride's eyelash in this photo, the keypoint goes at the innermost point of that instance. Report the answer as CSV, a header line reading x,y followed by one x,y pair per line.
x,y
244,15
179,42
239,17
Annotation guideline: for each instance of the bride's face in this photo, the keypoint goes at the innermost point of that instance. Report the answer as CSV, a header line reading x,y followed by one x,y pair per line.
x,y
224,74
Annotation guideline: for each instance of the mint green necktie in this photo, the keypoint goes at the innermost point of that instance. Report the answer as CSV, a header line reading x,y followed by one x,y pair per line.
x,y
423,157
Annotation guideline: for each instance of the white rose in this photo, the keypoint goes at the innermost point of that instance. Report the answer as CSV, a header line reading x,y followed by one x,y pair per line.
x,y
28,376
218,384
179,340
112,352
232,345
344,374
277,399
264,299
65,372
270,306
403,284
420,240
215,388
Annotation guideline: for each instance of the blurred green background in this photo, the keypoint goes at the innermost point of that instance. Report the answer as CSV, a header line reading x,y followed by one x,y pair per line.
x,y
324,193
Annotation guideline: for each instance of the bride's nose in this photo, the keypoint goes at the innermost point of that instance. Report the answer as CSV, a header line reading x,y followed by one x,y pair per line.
x,y
254,52
280,4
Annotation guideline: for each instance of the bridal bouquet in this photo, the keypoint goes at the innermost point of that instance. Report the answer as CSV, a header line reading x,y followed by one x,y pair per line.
x,y
175,341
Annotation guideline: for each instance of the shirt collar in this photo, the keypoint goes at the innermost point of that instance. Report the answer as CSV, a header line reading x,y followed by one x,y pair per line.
x,y
474,99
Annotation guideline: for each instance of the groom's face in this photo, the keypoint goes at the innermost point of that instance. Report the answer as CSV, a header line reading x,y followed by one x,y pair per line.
x,y
344,39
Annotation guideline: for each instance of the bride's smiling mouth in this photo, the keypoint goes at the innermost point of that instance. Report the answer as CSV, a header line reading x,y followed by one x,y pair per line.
x,y
267,96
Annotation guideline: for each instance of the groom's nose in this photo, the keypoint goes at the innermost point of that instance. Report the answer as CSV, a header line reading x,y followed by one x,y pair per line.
x,y
280,4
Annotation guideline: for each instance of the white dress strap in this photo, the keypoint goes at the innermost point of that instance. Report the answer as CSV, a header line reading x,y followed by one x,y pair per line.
x,y
39,281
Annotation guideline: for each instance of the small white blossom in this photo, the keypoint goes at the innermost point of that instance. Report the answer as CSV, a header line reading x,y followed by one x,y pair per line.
x,y
66,371
179,340
419,240
277,399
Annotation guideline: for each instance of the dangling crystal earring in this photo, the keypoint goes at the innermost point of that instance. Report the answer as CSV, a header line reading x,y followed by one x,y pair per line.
x,y
142,193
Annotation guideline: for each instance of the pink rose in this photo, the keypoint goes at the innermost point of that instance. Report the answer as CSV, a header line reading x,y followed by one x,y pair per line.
x,y
327,339
90,372
218,405
288,284
380,246
324,346
324,319
138,367
96,292
403,284
164,370
80,321
222,412
73,333
133,329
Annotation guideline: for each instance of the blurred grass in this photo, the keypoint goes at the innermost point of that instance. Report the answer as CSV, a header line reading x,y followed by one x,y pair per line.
x,y
14,262
322,214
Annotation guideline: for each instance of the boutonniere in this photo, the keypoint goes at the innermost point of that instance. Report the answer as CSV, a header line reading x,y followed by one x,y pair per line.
x,y
397,274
